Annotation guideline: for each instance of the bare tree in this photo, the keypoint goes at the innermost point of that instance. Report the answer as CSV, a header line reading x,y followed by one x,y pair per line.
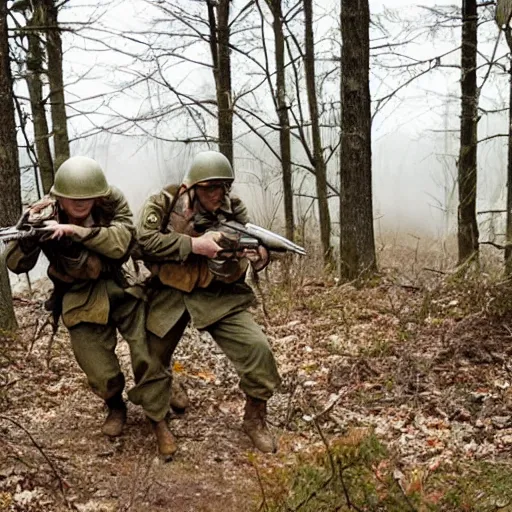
x,y
357,243
56,80
503,17
44,57
281,106
35,58
219,47
467,164
10,205
318,153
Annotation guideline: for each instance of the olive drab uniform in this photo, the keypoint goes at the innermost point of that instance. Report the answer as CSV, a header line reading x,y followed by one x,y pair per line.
x,y
96,300
183,288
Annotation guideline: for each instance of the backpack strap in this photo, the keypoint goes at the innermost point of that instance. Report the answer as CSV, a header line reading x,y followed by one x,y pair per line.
x,y
170,203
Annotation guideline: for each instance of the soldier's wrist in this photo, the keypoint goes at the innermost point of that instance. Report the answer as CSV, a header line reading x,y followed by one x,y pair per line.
x,y
81,233
186,247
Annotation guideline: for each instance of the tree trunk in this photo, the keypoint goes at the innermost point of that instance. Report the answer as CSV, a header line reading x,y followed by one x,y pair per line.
x,y
35,90
56,81
467,168
318,155
10,205
284,120
357,244
219,46
508,250
8,323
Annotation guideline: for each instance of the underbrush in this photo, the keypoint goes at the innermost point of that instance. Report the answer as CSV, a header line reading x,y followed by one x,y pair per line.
x,y
356,472
413,291
426,342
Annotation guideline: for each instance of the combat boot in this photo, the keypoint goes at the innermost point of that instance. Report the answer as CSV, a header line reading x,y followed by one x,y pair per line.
x,y
179,398
255,425
165,440
116,418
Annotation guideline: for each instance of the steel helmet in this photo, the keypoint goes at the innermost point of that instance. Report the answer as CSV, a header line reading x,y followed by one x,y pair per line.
x,y
208,166
80,177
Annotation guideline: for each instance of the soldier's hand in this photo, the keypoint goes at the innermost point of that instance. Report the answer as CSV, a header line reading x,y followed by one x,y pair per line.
x,y
22,223
60,230
259,258
206,245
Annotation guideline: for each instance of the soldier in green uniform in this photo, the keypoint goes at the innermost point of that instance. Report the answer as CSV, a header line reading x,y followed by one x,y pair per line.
x,y
90,235
179,241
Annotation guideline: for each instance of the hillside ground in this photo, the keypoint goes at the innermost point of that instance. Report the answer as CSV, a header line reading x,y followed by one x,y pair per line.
x,y
396,396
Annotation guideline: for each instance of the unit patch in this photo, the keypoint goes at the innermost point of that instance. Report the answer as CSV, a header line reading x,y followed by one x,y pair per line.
x,y
152,219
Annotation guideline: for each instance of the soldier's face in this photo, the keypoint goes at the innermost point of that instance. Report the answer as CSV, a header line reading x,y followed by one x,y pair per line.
x,y
77,209
211,194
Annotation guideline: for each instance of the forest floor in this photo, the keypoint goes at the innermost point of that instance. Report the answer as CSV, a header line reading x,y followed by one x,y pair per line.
x,y
396,396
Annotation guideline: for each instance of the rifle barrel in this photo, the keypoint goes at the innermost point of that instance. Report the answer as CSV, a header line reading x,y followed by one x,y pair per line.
x,y
11,233
268,238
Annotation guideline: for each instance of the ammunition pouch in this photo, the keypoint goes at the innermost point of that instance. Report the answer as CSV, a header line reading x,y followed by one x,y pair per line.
x,y
228,270
183,276
200,272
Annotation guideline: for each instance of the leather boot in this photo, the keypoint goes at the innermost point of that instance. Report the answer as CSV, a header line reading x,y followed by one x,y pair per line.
x,y
179,398
255,426
164,438
116,418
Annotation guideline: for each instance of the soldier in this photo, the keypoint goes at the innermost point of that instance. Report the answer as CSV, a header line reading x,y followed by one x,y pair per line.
x,y
179,240
90,235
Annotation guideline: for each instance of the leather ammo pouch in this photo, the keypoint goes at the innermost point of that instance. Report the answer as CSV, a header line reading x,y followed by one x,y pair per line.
x,y
183,276
198,274
228,270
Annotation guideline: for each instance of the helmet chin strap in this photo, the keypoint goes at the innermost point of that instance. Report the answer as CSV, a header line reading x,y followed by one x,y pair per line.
x,y
191,197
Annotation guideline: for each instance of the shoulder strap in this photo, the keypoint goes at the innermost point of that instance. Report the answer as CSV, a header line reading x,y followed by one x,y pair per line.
x,y
170,203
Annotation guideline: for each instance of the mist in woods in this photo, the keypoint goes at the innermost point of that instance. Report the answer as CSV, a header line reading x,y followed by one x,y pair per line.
x,y
414,162
126,96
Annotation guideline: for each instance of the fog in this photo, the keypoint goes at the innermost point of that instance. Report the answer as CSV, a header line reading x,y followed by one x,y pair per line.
x,y
415,140
413,177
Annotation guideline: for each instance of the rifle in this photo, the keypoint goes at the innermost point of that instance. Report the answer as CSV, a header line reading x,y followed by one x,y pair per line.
x,y
22,231
34,222
251,236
